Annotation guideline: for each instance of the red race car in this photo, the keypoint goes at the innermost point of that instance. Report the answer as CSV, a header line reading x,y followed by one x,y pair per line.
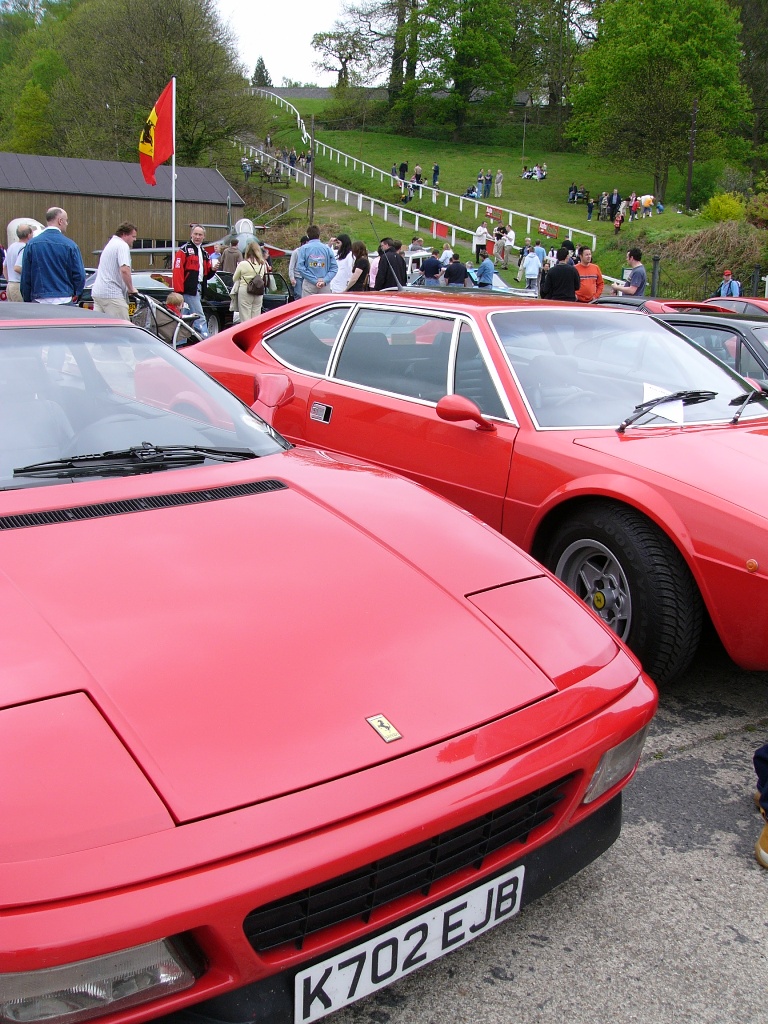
x,y
618,453
742,304
277,729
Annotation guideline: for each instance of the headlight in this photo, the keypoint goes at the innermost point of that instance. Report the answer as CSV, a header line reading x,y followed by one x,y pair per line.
x,y
92,988
615,764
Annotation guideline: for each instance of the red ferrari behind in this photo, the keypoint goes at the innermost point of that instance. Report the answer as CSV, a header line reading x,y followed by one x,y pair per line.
x,y
621,455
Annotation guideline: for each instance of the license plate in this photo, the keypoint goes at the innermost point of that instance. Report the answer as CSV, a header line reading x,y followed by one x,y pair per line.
x,y
342,979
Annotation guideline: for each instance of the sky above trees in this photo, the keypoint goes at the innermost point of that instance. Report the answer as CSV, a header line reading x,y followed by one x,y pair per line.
x,y
284,41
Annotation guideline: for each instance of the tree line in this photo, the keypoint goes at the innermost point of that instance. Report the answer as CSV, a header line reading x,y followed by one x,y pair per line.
x,y
649,79
653,80
78,78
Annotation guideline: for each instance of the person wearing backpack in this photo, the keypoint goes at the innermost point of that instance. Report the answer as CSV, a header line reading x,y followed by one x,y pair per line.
x,y
249,282
729,287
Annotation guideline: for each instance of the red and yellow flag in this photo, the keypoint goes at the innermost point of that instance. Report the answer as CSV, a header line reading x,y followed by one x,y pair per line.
x,y
156,140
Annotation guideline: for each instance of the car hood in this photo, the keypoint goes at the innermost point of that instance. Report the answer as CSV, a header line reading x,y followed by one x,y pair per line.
x,y
237,647
725,462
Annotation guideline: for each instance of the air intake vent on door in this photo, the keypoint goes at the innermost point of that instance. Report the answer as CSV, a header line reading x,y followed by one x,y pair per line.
x,y
146,504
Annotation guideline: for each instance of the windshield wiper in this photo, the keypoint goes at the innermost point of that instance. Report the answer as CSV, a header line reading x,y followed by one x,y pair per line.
x,y
686,397
743,401
143,458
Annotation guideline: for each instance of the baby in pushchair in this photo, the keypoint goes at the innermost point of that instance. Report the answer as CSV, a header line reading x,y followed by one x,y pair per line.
x,y
471,192
165,320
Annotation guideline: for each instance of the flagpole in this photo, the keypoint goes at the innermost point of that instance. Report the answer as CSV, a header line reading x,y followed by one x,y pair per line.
x,y
173,170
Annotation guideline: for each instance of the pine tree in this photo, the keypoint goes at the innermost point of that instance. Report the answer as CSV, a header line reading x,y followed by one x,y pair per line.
x,y
261,75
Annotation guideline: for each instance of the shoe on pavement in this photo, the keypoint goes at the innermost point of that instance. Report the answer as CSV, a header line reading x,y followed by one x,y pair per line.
x,y
761,848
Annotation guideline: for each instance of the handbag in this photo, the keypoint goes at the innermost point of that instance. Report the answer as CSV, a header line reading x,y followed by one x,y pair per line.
x,y
256,285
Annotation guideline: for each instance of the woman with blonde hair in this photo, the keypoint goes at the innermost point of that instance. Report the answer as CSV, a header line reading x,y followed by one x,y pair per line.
x,y
247,297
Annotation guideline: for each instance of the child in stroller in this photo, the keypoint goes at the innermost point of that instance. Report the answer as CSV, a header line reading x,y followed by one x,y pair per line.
x,y
471,192
165,320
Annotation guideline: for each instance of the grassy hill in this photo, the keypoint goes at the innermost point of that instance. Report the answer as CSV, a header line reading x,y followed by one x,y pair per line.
x,y
547,200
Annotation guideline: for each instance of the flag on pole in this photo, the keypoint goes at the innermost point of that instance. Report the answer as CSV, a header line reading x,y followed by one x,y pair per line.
x,y
156,140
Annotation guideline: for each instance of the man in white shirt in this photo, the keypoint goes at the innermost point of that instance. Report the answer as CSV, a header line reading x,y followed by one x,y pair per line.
x,y
12,262
508,246
479,240
114,283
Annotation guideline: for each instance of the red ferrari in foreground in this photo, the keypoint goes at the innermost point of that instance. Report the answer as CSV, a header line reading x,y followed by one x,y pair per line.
x,y
622,456
276,729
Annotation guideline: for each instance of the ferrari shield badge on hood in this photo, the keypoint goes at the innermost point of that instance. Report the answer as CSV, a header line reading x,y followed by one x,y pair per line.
x,y
384,728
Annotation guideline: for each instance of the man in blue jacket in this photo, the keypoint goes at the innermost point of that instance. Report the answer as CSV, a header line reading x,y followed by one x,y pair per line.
x,y
729,287
52,269
316,264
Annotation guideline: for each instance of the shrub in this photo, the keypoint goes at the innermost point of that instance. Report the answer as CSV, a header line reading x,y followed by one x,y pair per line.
x,y
724,206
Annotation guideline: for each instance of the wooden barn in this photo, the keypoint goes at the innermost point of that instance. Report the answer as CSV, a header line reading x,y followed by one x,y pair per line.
x,y
99,195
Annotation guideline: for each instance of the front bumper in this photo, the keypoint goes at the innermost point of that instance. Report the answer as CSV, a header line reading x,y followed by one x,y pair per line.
x,y
271,1001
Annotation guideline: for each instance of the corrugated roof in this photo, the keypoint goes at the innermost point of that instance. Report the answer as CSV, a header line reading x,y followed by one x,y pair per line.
x,y
23,173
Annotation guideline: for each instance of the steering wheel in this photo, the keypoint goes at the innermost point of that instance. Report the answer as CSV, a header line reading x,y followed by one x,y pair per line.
x,y
573,398
95,436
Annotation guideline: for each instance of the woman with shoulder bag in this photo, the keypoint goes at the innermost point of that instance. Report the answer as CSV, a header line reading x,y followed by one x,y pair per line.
x,y
249,282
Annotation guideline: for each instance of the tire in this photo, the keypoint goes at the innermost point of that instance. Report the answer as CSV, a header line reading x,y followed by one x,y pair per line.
x,y
212,322
632,575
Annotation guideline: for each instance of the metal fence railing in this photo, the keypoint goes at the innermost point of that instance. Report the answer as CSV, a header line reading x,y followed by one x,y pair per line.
x,y
480,208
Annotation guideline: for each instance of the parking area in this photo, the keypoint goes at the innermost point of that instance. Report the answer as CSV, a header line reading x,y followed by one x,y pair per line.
x,y
669,926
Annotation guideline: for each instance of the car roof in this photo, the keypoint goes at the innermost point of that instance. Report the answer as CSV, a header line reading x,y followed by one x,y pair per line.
x,y
619,300
470,300
755,300
43,312
713,319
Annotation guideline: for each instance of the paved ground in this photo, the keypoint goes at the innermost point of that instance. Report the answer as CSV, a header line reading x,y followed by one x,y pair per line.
x,y
670,926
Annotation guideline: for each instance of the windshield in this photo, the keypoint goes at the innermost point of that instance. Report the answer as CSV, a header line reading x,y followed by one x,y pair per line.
x,y
592,367
74,389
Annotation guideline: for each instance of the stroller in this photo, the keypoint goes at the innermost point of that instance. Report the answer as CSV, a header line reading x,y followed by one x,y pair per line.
x,y
471,193
161,321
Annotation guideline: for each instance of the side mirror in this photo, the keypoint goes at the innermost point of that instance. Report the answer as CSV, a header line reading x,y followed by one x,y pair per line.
x,y
271,391
457,408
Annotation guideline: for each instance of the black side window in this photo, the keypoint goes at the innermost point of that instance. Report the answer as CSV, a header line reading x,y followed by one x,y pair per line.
x,y
473,380
403,353
307,345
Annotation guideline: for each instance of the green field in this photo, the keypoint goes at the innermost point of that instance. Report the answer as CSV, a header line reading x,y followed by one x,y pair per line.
x,y
459,165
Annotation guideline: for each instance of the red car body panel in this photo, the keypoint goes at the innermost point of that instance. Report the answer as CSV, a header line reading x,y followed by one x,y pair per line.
x,y
186,687
690,482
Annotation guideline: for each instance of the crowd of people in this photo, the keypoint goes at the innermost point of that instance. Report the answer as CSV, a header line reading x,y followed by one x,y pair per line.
x,y
47,268
611,206
568,274
487,180
255,163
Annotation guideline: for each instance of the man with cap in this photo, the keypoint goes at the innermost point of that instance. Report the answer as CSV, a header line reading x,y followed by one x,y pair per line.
x,y
729,287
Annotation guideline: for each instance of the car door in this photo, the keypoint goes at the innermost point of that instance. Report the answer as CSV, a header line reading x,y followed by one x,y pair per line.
x,y
216,305
278,292
379,403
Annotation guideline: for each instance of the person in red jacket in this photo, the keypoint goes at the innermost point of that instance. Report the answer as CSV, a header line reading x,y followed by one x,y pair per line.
x,y
191,269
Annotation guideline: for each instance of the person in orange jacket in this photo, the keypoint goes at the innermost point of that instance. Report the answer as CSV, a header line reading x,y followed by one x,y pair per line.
x,y
592,283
